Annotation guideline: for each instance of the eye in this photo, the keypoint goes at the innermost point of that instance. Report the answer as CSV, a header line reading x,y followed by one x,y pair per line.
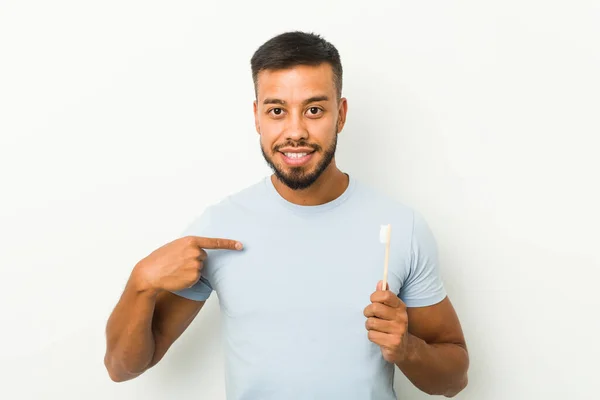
x,y
314,111
276,111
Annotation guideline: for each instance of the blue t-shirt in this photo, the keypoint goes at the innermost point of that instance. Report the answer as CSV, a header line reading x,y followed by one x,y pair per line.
x,y
292,300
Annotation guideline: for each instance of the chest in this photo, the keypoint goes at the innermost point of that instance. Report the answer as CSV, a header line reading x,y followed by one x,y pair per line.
x,y
304,270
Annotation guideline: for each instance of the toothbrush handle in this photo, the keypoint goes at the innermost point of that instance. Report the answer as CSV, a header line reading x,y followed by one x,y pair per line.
x,y
387,259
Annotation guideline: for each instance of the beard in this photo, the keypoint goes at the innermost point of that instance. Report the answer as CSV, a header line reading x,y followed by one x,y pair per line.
x,y
298,178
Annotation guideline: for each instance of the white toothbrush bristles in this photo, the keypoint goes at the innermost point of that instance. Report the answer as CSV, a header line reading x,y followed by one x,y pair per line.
x,y
384,237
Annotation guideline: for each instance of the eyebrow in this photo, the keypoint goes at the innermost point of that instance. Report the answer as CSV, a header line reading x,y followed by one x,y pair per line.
x,y
313,99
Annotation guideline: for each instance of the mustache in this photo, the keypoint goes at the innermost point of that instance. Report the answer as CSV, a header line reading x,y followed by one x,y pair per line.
x,y
301,143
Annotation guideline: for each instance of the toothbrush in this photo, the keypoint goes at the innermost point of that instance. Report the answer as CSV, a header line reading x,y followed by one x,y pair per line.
x,y
384,237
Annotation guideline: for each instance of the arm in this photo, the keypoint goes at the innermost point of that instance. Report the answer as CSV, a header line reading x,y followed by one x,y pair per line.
x,y
162,297
433,354
149,317
142,327
436,359
426,343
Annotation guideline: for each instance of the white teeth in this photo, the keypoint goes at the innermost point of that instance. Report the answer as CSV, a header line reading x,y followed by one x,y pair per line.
x,y
295,155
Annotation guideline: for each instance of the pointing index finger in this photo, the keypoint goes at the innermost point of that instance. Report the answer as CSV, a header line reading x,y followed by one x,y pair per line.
x,y
218,243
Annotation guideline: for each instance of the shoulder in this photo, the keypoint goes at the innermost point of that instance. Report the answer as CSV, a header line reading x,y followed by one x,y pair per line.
x,y
382,202
407,222
243,200
240,203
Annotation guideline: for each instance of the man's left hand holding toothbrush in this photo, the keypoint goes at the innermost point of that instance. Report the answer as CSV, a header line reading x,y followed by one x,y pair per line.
x,y
428,351
387,323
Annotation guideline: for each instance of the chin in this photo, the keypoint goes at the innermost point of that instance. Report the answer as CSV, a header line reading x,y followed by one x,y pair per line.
x,y
302,175
297,178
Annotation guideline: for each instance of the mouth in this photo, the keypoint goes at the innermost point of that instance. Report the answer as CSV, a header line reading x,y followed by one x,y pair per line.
x,y
296,157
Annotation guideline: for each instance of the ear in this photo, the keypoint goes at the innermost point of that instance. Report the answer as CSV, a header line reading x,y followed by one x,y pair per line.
x,y
342,111
256,123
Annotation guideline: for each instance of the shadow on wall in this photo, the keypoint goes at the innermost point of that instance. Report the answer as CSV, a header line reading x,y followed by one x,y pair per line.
x,y
361,147
383,141
392,146
194,364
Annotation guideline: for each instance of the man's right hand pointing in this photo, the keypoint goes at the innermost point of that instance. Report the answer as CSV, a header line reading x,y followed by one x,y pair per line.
x,y
177,265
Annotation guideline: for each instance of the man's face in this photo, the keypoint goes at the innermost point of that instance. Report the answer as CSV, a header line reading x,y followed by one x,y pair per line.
x,y
298,117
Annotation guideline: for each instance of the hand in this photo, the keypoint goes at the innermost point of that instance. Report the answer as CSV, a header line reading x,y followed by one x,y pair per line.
x,y
387,324
177,264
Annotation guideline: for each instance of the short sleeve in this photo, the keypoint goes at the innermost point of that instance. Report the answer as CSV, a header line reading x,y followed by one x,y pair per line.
x,y
423,286
202,289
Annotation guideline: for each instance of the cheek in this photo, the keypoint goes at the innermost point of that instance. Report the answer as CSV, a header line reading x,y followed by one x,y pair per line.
x,y
322,127
269,128
267,137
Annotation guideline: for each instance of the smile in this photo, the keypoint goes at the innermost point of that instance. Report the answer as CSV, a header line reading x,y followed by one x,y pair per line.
x,y
296,158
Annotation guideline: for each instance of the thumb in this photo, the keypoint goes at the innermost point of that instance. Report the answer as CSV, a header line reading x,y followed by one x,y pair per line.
x,y
379,285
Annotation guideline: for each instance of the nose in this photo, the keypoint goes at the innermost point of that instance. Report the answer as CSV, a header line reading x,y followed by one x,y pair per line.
x,y
296,128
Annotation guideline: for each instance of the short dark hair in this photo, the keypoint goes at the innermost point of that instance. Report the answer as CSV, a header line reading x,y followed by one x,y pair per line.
x,y
290,49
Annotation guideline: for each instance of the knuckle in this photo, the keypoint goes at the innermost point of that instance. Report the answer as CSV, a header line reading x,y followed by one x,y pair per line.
x,y
388,355
196,264
193,252
372,323
403,318
194,275
377,308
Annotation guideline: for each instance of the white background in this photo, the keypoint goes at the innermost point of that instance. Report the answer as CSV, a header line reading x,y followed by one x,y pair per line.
x,y
121,120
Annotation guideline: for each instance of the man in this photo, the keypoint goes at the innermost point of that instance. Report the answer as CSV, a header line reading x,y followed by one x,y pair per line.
x,y
297,263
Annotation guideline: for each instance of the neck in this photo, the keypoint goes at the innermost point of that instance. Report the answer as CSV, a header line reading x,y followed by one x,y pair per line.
x,y
328,187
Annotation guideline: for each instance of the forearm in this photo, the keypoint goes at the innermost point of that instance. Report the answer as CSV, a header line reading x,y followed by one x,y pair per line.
x,y
436,369
130,340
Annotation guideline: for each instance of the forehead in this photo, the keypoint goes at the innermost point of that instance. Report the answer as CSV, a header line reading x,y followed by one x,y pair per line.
x,y
297,83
